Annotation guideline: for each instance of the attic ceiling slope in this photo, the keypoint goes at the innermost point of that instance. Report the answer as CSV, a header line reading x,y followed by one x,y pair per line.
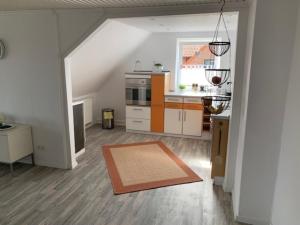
x,y
58,4
92,63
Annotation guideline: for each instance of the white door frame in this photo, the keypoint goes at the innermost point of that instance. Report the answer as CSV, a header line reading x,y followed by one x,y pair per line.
x,y
141,12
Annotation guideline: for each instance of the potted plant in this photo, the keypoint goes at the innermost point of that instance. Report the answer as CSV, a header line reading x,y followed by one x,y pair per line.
x,y
158,67
182,87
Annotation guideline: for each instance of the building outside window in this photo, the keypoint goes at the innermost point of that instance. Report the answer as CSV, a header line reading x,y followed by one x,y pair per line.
x,y
193,57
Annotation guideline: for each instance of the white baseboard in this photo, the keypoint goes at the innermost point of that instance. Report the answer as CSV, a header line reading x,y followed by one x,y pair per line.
x,y
203,137
218,181
80,153
251,221
120,123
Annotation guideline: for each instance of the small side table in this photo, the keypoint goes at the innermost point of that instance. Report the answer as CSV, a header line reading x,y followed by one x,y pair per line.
x,y
15,144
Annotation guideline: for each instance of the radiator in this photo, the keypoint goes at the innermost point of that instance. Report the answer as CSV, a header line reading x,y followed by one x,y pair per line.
x,y
88,111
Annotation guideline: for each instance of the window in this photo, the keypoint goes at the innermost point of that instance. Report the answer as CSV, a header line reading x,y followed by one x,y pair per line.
x,y
193,57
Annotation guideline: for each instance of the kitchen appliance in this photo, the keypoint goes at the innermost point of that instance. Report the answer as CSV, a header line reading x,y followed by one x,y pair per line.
x,y
138,90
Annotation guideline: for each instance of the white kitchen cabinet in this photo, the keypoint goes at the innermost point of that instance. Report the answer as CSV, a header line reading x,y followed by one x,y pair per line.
x,y
138,112
174,99
137,124
173,121
192,122
193,100
138,118
15,144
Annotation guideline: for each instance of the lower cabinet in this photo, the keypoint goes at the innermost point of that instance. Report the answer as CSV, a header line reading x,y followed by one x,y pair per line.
x,y
138,118
157,119
183,121
138,124
219,146
192,122
173,121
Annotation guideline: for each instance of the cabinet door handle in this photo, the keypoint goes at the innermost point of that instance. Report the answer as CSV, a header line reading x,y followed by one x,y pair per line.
x,y
220,140
136,121
179,116
184,115
137,109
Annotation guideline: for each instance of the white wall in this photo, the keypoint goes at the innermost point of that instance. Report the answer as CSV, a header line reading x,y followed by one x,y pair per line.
x,y
92,62
158,47
234,163
273,43
31,87
75,24
238,100
29,79
71,28
286,197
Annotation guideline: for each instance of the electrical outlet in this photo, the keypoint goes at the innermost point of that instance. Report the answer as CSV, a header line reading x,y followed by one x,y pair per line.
x,y
41,147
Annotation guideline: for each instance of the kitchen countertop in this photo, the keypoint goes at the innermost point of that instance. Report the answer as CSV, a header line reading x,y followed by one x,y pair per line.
x,y
224,115
13,129
146,73
196,94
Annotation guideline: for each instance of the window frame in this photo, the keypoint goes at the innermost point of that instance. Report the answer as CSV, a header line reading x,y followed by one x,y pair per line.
x,y
179,46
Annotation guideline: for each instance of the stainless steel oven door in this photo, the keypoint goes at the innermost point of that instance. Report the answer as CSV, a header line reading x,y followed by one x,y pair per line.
x,y
138,92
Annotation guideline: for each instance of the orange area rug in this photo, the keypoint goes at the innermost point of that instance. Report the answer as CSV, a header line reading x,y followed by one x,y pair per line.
x,y
142,166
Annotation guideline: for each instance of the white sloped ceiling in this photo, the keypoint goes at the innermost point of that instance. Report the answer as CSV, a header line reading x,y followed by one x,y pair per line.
x,y
45,4
102,52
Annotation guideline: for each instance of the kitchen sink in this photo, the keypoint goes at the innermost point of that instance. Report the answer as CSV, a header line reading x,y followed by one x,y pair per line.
x,y
6,126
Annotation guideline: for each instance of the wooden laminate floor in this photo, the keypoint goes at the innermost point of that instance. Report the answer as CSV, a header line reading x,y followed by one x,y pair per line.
x,y
83,196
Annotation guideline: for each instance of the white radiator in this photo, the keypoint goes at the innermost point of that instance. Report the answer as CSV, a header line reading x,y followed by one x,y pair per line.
x,y
88,111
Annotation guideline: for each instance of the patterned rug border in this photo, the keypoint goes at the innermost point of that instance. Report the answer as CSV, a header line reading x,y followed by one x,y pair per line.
x,y
119,188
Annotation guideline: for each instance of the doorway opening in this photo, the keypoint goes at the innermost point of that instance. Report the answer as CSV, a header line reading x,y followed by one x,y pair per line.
x,y
95,70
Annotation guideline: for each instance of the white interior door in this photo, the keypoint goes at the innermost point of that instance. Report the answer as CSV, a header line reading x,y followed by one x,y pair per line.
x,y
173,121
192,122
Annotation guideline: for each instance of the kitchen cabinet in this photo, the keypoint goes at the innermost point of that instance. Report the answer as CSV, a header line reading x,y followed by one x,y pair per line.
x,y
220,128
138,112
146,117
183,117
157,102
138,124
138,118
15,144
192,122
173,121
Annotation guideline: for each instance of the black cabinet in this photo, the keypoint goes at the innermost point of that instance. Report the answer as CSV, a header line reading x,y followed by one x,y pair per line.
x,y
79,132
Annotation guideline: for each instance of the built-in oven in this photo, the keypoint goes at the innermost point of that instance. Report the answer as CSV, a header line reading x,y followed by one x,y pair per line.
x,y
138,90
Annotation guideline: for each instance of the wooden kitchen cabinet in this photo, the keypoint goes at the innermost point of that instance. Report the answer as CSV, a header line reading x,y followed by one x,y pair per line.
x,y
157,102
220,128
